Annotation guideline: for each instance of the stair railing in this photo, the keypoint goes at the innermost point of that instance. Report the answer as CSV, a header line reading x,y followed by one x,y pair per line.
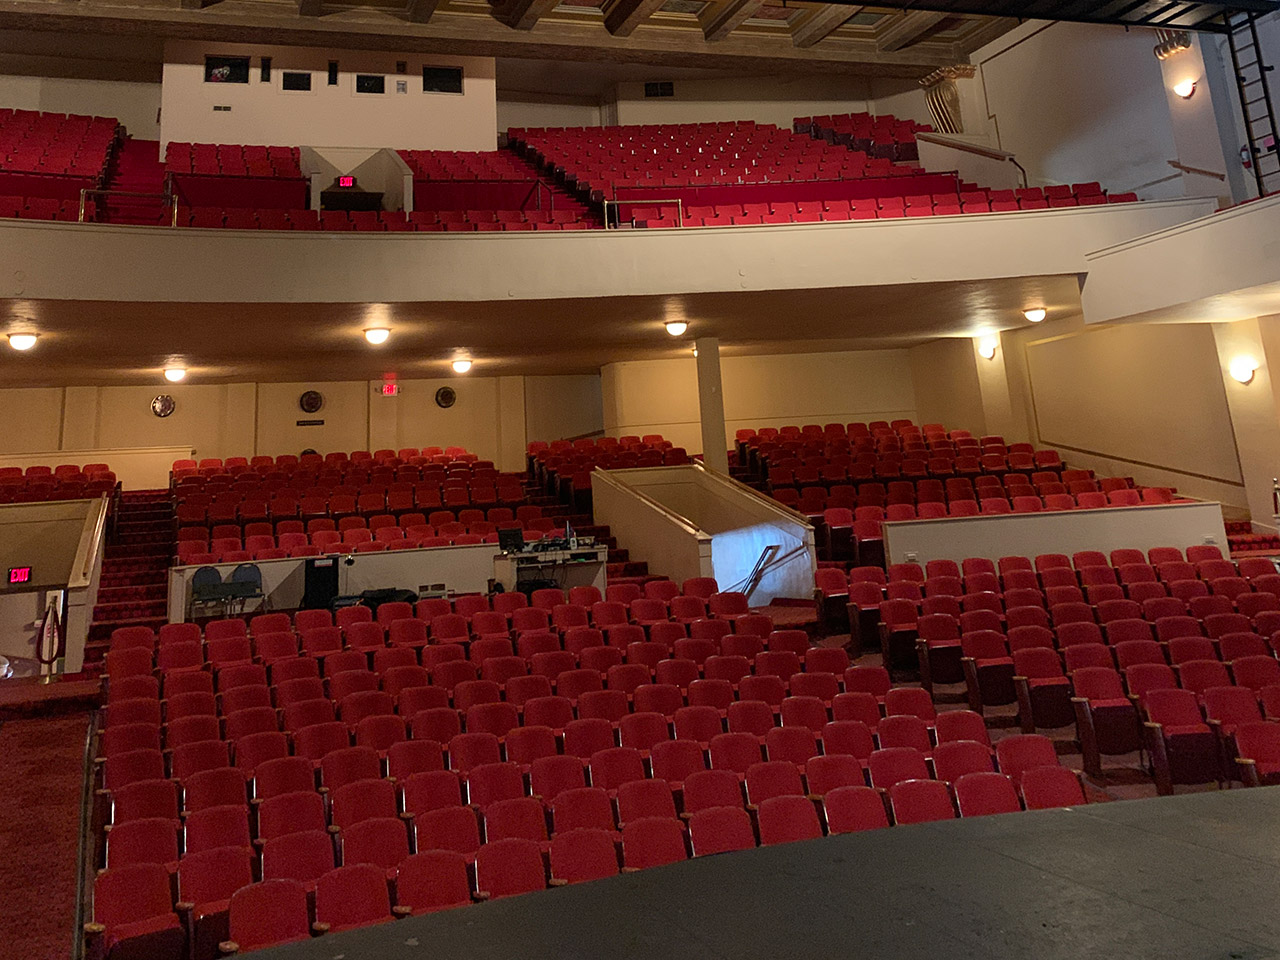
x,y
169,198
617,204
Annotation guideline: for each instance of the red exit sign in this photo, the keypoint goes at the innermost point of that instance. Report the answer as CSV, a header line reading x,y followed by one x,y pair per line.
x,y
346,181
390,389
19,575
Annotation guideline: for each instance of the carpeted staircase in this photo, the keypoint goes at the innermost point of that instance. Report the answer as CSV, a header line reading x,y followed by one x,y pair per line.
x,y
136,168
134,586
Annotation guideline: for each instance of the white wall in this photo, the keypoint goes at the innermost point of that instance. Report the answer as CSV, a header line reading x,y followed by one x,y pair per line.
x,y
661,396
903,99
529,113
741,523
1081,102
775,100
264,113
1027,535
136,105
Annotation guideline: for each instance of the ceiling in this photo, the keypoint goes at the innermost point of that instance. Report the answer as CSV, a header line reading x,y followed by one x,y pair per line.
x,y
98,343
741,35
1164,14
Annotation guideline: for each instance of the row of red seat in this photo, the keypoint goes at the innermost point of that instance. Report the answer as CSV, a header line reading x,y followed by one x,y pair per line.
x,y
465,165
889,138
883,208
45,208
50,143
245,506
603,159
426,221
40,482
882,136
232,160
527,516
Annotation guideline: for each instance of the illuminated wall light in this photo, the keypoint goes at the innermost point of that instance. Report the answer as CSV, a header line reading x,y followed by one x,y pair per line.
x,y
1035,314
1185,89
377,335
461,366
987,347
676,327
22,341
1242,368
175,374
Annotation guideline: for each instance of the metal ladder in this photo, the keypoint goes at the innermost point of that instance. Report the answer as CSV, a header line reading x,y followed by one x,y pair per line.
x,y
1255,100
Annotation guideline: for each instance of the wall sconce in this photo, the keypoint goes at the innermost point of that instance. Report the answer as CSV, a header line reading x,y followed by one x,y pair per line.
x,y
987,347
676,327
1242,368
1035,314
1185,89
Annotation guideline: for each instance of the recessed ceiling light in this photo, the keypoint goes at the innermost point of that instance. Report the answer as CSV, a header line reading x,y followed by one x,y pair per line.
x,y
676,327
461,366
1035,314
377,335
175,374
22,341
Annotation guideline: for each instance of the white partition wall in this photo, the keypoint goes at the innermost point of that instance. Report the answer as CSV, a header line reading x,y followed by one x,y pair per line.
x,y
137,468
1028,534
654,532
61,546
462,569
662,513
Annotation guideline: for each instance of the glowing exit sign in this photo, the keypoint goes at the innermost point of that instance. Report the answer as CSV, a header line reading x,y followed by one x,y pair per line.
x,y
346,181
19,575
389,389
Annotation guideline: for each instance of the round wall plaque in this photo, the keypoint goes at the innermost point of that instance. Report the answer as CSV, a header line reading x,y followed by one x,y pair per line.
x,y
446,397
163,405
311,401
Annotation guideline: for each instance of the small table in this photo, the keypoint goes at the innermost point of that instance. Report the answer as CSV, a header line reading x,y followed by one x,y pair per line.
x,y
581,567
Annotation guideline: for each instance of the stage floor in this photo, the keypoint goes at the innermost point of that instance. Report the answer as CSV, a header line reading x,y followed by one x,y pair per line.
x,y
1195,876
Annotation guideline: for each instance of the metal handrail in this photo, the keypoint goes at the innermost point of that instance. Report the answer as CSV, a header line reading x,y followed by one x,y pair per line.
x,y
991,153
170,198
679,202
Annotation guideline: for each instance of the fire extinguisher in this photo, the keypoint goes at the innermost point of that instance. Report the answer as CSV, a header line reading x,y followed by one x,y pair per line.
x,y
1246,157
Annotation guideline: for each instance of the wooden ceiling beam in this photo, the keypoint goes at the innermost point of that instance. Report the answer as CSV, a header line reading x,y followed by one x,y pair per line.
x,y
818,23
278,23
718,20
420,11
902,31
621,17
523,14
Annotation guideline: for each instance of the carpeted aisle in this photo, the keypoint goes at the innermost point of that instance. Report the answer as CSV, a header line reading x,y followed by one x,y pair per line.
x,y
41,763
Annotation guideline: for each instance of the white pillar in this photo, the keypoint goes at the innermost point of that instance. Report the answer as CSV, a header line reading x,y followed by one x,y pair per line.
x,y
715,444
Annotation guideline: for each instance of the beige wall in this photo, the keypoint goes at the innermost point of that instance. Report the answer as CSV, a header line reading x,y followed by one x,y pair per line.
x,y
558,407
773,100
493,417
1144,400
1078,103
947,391
263,113
661,396
530,113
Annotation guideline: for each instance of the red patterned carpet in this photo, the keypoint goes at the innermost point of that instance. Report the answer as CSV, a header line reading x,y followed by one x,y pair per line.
x,y
41,763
